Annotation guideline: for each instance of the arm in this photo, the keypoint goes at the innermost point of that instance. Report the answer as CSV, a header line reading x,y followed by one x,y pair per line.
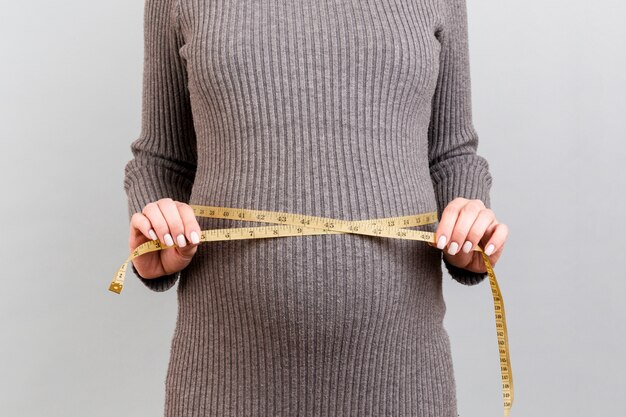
x,y
164,155
455,167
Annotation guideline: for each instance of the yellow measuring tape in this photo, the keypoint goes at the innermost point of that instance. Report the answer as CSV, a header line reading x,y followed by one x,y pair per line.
x,y
289,224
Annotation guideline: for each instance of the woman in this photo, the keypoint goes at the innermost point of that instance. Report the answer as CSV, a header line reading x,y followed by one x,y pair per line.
x,y
349,110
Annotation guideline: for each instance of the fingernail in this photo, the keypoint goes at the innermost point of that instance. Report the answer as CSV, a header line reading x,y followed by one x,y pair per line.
x,y
153,235
454,247
168,240
467,246
490,249
441,243
194,237
180,239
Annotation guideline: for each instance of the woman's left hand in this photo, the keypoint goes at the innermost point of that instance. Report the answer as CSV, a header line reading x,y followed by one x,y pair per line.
x,y
465,223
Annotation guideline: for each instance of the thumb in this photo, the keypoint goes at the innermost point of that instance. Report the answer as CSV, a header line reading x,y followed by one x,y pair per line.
x,y
186,252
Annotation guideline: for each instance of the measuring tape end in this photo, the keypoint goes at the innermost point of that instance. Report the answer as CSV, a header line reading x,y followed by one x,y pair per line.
x,y
116,287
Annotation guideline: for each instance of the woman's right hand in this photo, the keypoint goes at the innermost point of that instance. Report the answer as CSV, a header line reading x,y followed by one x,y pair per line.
x,y
169,221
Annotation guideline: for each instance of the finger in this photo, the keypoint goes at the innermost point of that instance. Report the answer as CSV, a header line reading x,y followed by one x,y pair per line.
x,y
140,225
190,223
159,224
175,224
496,239
464,222
448,219
479,228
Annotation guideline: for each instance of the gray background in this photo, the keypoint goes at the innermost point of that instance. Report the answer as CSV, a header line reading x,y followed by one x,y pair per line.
x,y
549,90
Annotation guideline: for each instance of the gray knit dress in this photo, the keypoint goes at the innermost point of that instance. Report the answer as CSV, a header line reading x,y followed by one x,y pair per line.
x,y
336,108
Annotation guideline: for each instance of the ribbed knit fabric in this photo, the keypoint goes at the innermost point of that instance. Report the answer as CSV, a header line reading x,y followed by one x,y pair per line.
x,y
336,108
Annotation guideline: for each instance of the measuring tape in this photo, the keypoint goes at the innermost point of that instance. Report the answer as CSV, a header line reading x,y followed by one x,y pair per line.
x,y
289,224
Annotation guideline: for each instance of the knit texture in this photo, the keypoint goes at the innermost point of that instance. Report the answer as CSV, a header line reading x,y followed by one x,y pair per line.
x,y
334,108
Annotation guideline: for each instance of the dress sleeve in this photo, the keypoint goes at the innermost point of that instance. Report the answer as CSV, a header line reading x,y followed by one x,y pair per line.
x,y
455,167
164,155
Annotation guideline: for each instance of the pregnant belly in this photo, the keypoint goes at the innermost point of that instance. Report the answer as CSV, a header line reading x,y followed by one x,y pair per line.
x,y
312,288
